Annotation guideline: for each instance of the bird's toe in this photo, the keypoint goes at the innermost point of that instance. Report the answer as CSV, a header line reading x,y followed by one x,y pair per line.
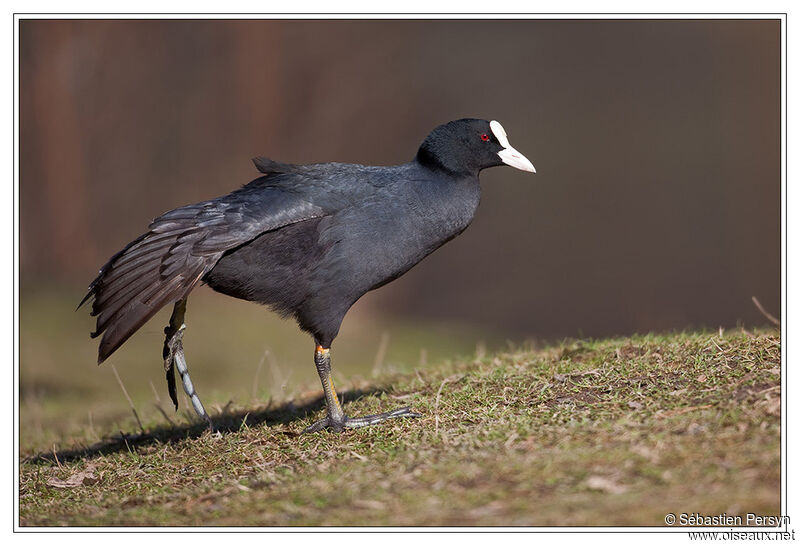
x,y
358,422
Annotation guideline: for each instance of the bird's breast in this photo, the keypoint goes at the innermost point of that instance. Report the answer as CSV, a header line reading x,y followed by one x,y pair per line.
x,y
386,236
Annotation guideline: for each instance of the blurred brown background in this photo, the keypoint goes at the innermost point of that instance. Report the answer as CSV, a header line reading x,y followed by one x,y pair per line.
x,y
657,143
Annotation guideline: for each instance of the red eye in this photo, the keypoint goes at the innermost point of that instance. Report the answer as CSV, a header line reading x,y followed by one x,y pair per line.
x,y
485,137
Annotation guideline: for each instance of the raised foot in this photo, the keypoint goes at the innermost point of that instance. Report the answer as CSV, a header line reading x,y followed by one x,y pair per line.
x,y
357,422
174,357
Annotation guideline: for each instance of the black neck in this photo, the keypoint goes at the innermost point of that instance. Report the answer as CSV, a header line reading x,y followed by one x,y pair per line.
x,y
434,162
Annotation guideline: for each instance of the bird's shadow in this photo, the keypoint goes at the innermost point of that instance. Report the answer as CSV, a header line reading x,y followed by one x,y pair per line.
x,y
224,422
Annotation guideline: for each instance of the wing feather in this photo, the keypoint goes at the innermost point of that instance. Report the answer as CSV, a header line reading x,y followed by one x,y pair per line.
x,y
164,264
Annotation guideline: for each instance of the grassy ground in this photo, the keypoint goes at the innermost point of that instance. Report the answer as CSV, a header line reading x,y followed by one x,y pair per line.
x,y
238,353
610,432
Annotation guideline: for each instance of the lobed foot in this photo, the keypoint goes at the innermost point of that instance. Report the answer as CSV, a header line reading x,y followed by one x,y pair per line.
x,y
174,357
357,422
173,343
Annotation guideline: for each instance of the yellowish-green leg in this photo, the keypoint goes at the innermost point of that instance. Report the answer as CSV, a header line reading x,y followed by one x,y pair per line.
x,y
336,419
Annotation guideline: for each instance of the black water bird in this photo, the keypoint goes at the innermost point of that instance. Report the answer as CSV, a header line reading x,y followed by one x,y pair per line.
x,y
306,240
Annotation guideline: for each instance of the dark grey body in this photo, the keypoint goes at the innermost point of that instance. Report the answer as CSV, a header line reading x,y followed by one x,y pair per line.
x,y
378,223
307,240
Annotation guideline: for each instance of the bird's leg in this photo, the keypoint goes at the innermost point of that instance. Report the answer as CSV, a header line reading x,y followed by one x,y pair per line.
x,y
175,358
336,419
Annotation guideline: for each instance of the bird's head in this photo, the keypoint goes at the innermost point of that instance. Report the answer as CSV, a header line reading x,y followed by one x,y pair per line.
x,y
469,146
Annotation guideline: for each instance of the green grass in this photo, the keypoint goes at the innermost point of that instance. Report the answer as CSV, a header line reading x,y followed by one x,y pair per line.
x,y
237,352
591,432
